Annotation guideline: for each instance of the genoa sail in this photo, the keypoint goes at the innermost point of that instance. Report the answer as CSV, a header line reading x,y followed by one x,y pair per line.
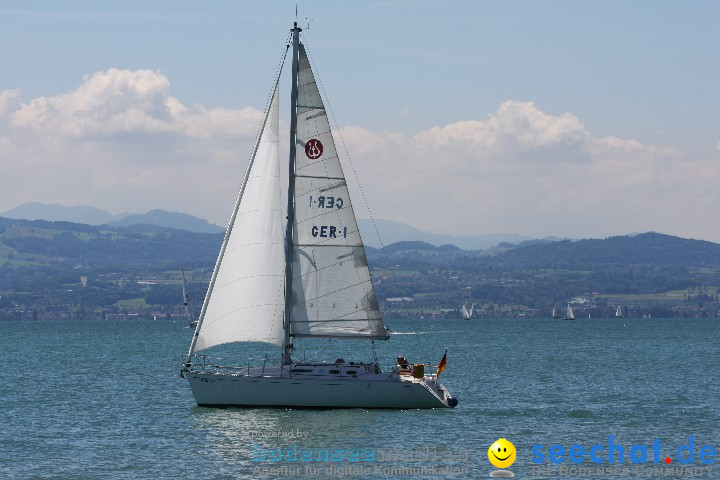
x,y
245,300
332,293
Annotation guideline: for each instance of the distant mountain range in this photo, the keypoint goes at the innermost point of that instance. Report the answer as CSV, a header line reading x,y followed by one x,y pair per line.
x,y
178,221
389,231
60,213
97,216
392,232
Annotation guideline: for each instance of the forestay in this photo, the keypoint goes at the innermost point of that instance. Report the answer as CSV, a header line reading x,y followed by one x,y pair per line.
x,y
332,294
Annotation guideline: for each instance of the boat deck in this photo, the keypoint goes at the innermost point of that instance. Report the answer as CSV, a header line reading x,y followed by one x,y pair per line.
x,y
335,371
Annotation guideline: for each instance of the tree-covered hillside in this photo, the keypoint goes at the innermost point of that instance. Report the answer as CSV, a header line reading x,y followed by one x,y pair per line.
x,y
62,268
535,277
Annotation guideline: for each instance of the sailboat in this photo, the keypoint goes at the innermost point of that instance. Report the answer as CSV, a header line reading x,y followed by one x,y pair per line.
x,y
312,283
569,315
186,302
618,313
465,313
554,313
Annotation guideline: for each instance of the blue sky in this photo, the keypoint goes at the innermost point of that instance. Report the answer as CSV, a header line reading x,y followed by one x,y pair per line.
x,y
613,124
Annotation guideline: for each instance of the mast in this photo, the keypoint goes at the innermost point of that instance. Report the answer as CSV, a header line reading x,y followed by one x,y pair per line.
x,y
287,346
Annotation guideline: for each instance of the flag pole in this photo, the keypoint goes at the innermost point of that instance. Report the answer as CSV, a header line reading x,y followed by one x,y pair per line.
x,y
441,366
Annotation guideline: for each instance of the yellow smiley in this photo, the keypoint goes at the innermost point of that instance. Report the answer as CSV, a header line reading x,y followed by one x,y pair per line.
x,y
502,453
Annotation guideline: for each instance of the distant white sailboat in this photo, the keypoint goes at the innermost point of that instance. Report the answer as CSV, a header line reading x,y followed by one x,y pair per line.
x,y
465,313
569,315
312,282
554,313
186,302
618,313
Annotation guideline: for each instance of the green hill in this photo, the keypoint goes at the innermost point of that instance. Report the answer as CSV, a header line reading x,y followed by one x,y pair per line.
x,y
533,277
64,268
137,246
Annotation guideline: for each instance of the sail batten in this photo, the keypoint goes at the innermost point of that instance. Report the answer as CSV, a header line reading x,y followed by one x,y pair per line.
x,y
324,178
321,245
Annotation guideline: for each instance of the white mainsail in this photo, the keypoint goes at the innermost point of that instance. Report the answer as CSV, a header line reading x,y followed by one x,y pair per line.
x,y
332,293
245,301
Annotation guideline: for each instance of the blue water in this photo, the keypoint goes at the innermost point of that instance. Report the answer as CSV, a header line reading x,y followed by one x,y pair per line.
x,y
101,399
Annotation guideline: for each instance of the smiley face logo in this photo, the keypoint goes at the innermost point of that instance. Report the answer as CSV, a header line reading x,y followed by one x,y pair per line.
x,y
502,453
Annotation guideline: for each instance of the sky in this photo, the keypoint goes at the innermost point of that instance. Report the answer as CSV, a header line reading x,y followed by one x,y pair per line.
x,y
554,118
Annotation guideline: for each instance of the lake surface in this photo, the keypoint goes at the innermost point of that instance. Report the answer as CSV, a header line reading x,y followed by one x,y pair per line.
x,y
102,399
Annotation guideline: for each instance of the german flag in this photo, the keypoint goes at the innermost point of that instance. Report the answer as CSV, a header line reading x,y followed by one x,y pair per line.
x,y
442,364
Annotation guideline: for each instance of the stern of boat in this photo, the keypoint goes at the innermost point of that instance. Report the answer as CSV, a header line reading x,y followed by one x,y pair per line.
x,y
441,392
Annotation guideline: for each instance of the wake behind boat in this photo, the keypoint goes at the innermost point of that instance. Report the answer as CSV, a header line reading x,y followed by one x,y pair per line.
x,y
312,283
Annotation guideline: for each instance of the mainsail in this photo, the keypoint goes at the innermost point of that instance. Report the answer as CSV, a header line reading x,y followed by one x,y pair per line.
x,y
245,300
332,294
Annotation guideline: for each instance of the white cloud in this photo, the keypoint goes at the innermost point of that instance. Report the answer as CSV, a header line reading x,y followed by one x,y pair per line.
x,y
524,171
516,126
127,102
9,101
121,141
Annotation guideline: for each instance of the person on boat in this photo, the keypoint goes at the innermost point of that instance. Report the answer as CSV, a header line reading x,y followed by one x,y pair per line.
x,y
404,367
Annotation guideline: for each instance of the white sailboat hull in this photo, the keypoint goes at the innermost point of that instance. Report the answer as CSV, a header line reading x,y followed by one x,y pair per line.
x,y
365,391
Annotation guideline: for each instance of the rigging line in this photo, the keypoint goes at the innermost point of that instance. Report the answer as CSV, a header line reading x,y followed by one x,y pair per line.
x,y
322,347
357,180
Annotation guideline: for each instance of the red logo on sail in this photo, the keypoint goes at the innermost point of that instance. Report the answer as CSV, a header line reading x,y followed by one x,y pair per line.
x,y
313,149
